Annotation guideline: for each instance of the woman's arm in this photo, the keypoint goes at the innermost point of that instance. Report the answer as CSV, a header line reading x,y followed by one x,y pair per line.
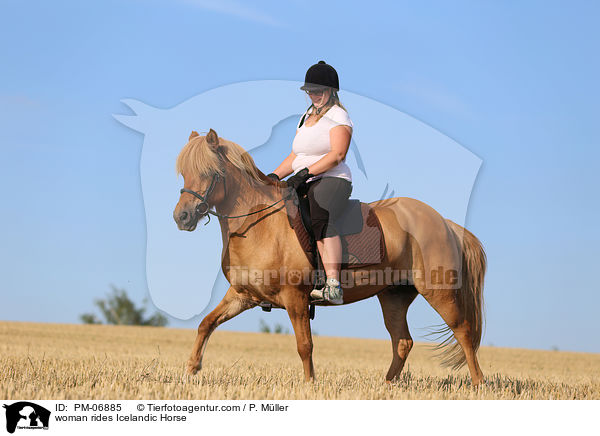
x,y
285,168
339,138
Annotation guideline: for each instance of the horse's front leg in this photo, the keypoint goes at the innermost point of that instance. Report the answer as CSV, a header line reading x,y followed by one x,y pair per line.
x,y
296,304
231,305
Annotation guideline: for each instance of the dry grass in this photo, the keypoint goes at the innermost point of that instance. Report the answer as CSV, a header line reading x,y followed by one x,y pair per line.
x,y
55,361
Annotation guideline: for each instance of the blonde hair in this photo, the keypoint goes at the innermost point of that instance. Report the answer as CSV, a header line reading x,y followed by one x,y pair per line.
x,y
200,158
334,99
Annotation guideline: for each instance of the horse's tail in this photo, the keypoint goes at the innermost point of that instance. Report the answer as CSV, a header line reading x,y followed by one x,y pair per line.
x,y
471,293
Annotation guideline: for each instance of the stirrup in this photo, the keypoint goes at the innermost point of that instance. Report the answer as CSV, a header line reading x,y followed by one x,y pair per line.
x,y
317,292
331,287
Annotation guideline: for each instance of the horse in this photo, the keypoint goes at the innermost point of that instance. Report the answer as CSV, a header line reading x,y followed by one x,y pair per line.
x,y
221,179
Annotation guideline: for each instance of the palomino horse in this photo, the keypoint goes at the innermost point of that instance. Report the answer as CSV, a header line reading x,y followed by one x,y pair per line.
x,y
257,237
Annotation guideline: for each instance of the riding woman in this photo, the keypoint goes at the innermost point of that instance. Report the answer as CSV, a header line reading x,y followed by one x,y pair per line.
x,y
317,160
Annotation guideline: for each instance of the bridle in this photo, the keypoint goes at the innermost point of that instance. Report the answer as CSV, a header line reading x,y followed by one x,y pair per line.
x,y
203,208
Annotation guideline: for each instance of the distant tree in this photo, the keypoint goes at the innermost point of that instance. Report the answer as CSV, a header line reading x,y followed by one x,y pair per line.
x,y
264,327
89,318
118,309
277,329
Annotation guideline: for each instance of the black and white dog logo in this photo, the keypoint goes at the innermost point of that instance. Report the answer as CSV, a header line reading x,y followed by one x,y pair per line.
x,y
26,415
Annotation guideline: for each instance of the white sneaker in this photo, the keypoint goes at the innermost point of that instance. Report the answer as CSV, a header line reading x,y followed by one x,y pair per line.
x,y
332,292
317,292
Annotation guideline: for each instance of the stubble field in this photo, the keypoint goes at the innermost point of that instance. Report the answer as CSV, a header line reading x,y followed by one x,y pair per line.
x,y
64,361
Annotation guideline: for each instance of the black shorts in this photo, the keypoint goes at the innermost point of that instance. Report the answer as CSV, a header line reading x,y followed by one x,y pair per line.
x,y
328,198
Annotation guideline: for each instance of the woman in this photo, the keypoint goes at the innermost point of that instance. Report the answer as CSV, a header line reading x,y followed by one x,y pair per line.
x,y
317,161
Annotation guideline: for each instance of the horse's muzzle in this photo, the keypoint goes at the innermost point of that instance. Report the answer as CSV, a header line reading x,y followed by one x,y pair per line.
x,y
186,221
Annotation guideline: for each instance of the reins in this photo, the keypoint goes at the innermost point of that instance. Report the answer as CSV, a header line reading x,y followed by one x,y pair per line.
x,y
207,211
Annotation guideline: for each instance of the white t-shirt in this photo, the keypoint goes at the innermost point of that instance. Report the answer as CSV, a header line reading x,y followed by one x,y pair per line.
x,y
312,143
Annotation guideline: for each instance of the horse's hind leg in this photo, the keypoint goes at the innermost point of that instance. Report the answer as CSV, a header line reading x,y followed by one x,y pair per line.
x,y
394,304
446,303
231,305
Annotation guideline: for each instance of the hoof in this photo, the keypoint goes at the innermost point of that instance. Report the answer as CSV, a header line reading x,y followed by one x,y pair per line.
x,y
192,369
480,384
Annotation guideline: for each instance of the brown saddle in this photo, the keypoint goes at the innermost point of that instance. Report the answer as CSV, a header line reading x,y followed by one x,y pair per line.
x,y
363,242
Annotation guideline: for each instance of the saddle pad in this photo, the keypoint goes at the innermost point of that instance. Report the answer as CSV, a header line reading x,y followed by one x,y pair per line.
x,y
358,250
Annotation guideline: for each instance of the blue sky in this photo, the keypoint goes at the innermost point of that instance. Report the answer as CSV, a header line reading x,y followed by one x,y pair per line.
x,y
513,82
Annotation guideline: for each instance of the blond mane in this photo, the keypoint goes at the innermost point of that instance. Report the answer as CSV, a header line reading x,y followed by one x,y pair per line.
x,y
199,157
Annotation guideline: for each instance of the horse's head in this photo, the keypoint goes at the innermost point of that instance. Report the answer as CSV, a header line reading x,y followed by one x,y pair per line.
x,y
202,166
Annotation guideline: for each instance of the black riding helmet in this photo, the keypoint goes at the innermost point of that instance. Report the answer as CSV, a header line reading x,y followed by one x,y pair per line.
x,y
321,75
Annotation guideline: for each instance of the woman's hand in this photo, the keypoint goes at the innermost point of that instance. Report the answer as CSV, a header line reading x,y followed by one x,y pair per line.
x,y
299,178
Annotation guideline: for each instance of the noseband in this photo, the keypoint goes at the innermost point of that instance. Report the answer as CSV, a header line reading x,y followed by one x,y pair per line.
x,y
203,208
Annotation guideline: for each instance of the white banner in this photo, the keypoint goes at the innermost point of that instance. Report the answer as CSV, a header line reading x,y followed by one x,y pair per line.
x,y
150,417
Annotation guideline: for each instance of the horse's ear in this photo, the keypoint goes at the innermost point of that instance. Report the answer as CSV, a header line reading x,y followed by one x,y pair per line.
x,y
193,135
212,138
